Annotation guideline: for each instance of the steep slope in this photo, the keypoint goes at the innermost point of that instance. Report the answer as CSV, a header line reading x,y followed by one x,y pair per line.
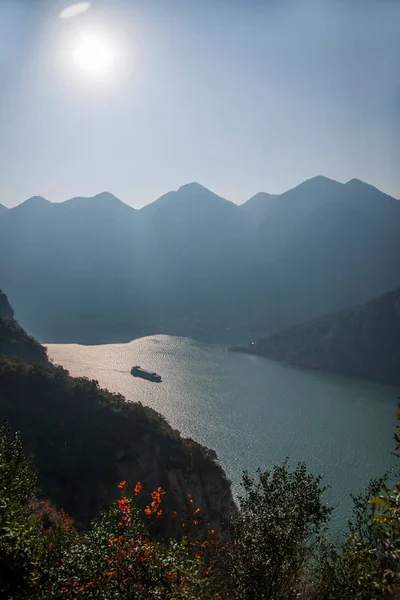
x,y
84,440
6,310
362,341
17,344
14,341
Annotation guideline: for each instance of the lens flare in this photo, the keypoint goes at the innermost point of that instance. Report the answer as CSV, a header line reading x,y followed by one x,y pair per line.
x,y
74,10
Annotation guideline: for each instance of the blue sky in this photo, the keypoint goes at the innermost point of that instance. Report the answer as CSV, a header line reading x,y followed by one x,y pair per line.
x,y
241,96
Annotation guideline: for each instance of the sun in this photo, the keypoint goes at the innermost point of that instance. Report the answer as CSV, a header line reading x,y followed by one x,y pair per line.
x,y
93,54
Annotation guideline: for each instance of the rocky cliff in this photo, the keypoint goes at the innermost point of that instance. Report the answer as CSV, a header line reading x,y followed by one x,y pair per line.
x,y
361,341
84,440
6,311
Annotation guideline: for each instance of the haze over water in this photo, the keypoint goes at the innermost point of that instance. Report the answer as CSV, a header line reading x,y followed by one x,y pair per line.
x,y
253,411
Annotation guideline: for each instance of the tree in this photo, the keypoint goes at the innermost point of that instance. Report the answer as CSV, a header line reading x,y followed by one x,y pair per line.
x,y
19,547
367,565
280,518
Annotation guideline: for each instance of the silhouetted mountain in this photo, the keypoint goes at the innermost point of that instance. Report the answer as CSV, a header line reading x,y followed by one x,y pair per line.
x,y
361,341
258,207
329,246
75,257
197,241
290,208
3,208
95,269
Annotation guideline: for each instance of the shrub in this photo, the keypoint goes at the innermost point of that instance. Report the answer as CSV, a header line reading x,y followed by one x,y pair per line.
x,y
367,564
281,516
19,546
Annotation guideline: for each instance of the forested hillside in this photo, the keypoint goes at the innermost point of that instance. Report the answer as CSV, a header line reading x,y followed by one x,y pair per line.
x,y
84,440
361,341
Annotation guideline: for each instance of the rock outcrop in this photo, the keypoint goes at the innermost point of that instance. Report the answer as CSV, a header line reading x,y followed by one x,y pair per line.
x,y
6,311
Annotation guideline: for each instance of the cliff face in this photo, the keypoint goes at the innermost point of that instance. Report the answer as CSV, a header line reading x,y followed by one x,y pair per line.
x,y
153,461
6,312
362,341
16,343
84,440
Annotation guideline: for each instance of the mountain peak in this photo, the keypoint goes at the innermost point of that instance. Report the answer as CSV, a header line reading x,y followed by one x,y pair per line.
x,y
367,190
316,186
35,202
195,191
320,180
106,197
194,187
358,183
354,180
104,200
259,197
259,205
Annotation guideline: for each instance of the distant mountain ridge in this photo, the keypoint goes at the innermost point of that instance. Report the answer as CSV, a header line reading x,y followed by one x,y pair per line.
x,y
193,263
255,202
361,341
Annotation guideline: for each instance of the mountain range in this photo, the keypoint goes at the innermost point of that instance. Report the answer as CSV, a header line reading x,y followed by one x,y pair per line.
x,y
192,263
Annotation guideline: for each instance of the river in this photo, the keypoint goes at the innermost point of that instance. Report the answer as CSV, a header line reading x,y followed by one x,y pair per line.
x,y
253,411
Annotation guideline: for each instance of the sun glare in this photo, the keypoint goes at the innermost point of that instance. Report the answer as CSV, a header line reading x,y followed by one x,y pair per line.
x,y
93,54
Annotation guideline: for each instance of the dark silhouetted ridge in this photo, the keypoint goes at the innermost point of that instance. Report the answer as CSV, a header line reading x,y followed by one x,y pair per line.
x,y
195,263
361,341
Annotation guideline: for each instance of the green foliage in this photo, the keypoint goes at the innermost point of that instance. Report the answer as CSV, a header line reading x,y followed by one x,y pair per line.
x,y
281,516
118,559
43,556
82,437
278,550
367,565
19,552
16,343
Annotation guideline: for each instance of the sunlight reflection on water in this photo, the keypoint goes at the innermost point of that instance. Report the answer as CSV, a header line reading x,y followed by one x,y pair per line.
x,y
254,412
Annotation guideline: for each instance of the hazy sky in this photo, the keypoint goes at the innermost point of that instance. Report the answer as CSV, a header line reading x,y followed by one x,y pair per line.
x,y
241,96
